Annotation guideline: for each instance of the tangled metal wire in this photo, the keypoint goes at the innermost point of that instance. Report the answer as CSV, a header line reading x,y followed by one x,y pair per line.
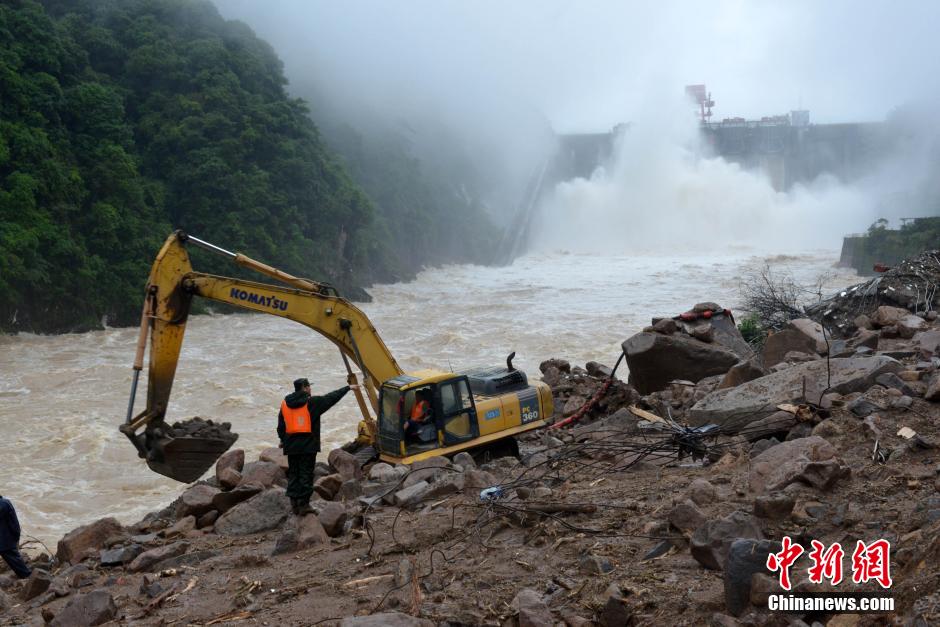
x,y
606,451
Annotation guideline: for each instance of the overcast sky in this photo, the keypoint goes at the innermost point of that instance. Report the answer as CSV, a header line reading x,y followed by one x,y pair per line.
x,y
586,66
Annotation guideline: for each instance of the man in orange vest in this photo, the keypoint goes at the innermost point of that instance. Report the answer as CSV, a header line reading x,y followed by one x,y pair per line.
x,y
298,427
420,412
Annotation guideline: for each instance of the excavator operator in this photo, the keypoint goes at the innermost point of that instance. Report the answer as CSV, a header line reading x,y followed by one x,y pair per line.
x,y
298,427
420,414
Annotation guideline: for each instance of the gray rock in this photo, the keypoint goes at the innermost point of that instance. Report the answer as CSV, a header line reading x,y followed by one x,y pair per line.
x,y
383,473
762,445
655,360
187,559
702,492
266,474
595,565
596,369
328,486
228,478
929,343
350,490
533,612
776,423
666,326
275,455
711,541
301,532
430,469
233,459
149,559
746,557
933,390
479,479
333,518
886,315
86,610
180,527
465,460
814,331
742,372
800,430
811,460
686,517
760,397
224,501
261,512
862,406
91,537
776,506
891,380
37,583
345,464
778,344
412,495
120,555
208,519
910,325
196,501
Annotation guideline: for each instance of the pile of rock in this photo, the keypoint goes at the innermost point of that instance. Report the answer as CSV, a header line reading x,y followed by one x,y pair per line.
x,y
910,286
701,343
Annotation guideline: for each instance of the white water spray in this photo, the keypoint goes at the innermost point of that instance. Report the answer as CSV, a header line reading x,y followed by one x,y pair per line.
x,y
662,193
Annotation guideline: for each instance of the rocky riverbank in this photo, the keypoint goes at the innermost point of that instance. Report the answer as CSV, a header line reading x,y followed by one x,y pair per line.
x,y
658,505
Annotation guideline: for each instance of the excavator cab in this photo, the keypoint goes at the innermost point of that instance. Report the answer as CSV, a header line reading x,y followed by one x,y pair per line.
x,y
453,418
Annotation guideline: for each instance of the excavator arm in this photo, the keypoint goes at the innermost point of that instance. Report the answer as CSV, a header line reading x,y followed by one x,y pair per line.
x,y
170,289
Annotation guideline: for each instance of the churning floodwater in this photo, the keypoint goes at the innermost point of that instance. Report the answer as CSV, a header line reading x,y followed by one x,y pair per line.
x,y
64,463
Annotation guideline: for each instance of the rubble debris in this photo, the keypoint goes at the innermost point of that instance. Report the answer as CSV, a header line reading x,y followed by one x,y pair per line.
x,y
911,286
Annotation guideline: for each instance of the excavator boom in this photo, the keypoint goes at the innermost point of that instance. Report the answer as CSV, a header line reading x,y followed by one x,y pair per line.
x,y
170,289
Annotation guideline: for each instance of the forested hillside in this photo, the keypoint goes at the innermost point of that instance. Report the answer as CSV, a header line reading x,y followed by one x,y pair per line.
x,y
123,119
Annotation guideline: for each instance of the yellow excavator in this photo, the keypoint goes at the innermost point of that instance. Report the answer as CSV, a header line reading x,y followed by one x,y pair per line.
x,y
469,409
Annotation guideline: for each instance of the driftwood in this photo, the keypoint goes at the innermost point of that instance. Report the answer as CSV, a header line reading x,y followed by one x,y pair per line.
x,y
363,582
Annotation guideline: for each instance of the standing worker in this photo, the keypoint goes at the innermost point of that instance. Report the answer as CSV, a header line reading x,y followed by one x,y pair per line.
x,y
10,539
298,427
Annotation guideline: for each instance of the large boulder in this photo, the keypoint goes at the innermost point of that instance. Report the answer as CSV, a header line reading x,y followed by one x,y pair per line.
x,y
86,610
87,539
809,460
759,398
814,331
778,344
259,513
742,372
886,316
655,360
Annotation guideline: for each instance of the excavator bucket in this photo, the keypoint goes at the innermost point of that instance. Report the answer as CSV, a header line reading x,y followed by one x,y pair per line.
x,y
187,458
185,450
